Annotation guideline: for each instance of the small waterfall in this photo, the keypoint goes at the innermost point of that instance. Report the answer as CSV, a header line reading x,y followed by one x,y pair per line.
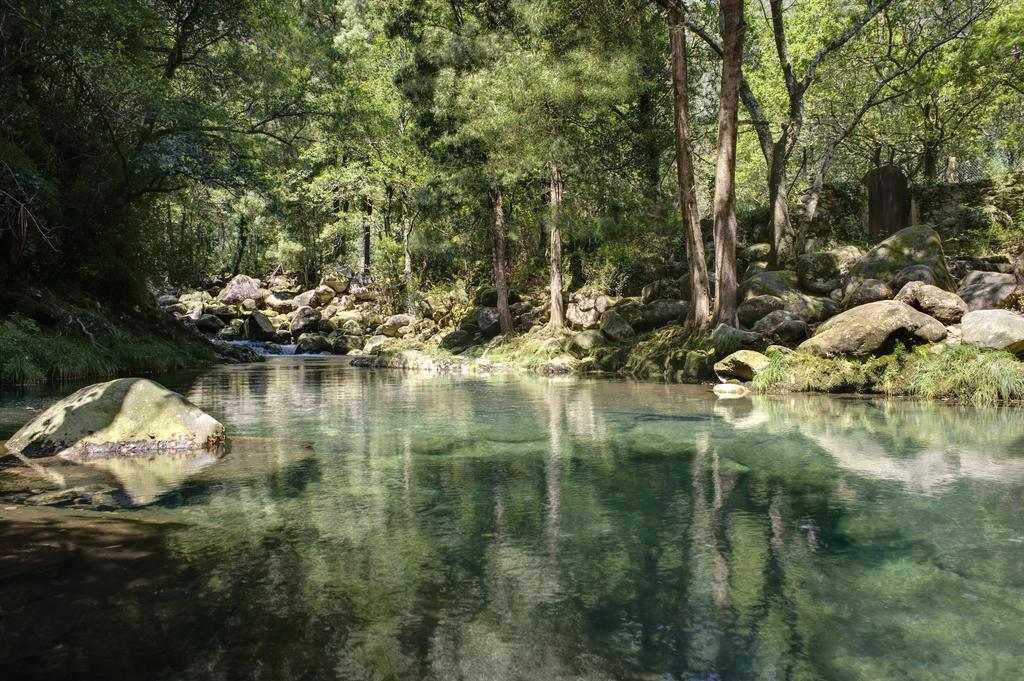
x,y
266,349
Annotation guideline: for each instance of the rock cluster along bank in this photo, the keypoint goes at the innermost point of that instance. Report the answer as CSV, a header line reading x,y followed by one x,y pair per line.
x,y
901,292
839,302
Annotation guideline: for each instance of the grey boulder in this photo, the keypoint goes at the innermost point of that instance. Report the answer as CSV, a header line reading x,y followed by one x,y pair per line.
x,y
995,329
868,329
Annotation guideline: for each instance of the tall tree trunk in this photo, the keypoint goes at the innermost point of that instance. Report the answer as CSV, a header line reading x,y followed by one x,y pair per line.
x,y
557,322
366,236
498,257
700,296
242,238
725,168
410,289
783,237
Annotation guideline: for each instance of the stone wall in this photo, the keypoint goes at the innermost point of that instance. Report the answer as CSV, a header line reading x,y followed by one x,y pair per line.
x,y
975,218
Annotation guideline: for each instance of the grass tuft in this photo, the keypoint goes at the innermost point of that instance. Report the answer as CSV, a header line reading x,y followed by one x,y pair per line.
x,y
965,373
958,372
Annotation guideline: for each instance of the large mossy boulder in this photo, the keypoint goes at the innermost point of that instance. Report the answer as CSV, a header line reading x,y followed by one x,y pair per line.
x,y
755,308
986,290
616,327
742,365
783,284
457,341
313,344
653,315
209,323
338,280
782,326
824,271
727,339
488,297
873,328
394,325
584,342
124,417
918,247
240,288
994,329
488,321
862,292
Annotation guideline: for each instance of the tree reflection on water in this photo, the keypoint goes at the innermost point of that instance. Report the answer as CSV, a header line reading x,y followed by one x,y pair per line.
x,y
527,528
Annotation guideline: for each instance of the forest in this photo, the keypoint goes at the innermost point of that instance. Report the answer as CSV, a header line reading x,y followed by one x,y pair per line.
x,y
547,147
512,340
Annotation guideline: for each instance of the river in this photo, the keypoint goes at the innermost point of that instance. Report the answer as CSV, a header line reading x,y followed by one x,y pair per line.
x,y
385,525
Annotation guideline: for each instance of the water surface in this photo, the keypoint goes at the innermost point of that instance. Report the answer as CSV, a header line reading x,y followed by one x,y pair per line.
x,y
381,525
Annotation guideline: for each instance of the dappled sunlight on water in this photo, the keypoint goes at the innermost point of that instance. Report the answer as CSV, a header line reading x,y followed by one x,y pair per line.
x,y
381,525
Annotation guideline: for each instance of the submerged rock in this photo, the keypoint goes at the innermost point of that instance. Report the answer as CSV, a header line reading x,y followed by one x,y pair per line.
x,y
730,391
867,329
126,416
995,329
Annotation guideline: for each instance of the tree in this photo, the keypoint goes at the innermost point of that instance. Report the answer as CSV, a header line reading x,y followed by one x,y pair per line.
x,y
725,172
700,307
557,189
499,236
778,150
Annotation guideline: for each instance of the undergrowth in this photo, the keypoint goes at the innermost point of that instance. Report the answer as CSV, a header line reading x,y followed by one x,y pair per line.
x,y
94,346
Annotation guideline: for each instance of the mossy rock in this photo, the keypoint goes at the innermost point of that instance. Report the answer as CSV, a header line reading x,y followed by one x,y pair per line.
x,y
742,365
126,416
917,245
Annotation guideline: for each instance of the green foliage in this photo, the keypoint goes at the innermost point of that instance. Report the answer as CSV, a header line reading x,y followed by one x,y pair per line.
x,y
93,344
17,338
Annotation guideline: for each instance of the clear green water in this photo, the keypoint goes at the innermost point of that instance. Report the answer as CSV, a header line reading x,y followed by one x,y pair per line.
x,y
402,526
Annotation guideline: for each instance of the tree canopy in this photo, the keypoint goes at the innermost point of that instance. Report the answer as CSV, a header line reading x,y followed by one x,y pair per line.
x,y
176,139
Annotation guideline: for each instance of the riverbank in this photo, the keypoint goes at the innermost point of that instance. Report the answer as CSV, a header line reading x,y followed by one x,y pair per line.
x,y
901,319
